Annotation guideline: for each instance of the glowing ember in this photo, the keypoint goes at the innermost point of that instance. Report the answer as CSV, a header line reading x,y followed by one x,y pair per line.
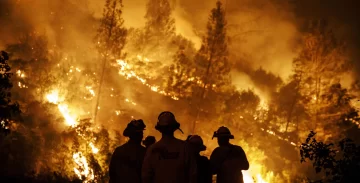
x,y
129,101
20,73
92,92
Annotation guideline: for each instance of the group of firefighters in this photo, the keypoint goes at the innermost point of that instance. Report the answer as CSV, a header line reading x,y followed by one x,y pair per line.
x,y
171,160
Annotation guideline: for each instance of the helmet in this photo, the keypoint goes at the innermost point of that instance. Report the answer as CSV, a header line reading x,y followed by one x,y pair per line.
x,y
133,127
149,140
223,132
167,119
197,142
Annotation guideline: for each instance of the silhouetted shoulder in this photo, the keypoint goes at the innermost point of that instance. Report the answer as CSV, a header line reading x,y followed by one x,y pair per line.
x,y
119,149
216,150
180,141
238,148
203,158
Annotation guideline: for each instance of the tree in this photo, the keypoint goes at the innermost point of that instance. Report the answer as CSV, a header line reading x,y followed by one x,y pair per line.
x,y
181,75
212,59
159,30
29,55
320,64
240,109
110,38
338,163
159,23
7,109
288,104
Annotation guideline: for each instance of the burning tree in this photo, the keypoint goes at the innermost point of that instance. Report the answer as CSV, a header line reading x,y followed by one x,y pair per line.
x,y
320,62
212,59
110,39
181,75
29,56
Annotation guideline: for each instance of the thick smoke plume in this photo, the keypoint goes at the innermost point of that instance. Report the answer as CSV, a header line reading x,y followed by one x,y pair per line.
x,y
262,33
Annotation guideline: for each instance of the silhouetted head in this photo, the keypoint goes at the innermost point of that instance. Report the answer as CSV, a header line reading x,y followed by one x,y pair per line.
x,y
223,136
196,143
135,130
167,124
149,140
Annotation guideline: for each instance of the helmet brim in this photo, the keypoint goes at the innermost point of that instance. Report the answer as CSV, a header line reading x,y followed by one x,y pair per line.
x,y
202,148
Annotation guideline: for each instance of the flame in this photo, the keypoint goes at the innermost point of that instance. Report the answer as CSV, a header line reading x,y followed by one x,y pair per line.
x,y
70,120
83,169
125,70
53,97
250,177
247,177
93,148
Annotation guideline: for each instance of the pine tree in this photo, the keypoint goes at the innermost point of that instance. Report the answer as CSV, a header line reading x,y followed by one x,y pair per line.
x,y
212,58
111,38
159,30
159,23
181,75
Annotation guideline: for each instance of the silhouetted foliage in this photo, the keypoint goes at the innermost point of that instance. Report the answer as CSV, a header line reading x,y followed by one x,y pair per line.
x,y
339,163
7,109
212,66
181,76
212,58
265,80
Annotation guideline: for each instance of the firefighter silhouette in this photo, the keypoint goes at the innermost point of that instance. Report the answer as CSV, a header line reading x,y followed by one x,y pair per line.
x,y
228,160
149,140
204,174
127,159
170,159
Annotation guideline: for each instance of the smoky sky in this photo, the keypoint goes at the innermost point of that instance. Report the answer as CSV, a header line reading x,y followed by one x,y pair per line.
x,y
263,33
344,17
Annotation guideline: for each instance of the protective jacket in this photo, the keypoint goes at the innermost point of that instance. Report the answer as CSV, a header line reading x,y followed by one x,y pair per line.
x,y
126,162
227,162
169,160
203,169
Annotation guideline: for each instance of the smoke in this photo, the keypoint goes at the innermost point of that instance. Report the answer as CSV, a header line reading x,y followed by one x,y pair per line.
x,y
342,16
262,33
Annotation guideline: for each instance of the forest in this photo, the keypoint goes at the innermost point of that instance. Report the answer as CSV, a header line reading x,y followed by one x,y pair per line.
x,y
74,73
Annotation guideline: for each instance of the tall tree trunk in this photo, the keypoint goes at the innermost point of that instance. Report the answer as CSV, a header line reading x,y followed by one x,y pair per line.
x,y
103,68
205,83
